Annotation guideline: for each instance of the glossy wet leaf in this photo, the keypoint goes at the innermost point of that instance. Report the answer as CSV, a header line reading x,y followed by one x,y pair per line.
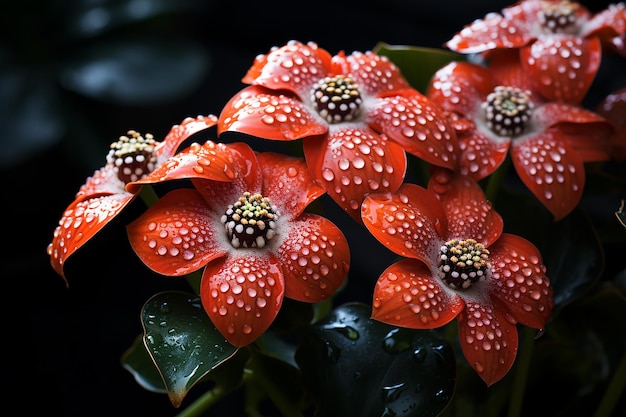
x,y
355,366
137,71
182,341
417,64
138,362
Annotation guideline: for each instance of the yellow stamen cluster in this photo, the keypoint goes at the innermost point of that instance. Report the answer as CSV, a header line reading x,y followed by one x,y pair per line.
x,y
250,222
508,110
133,156
559,17
463,262
337,99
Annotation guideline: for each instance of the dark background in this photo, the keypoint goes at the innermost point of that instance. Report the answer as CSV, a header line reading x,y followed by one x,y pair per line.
x,y
63,345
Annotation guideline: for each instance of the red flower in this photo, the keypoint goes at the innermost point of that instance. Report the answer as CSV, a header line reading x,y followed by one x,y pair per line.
x,y
458,264
244,223
356,113
495,114
559,42
103,196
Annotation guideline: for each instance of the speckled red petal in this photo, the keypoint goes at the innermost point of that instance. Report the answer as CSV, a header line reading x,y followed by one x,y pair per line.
x,y
491,32
352,163
613,108
181,132
177,235
242,295
315,258
407,295
103,182
610,25
80,222
269,114
480,156
410,222
295,67
552,170
489,340
468,212
564,75
210,161
375,74
418,125
287,182
519,279
460,87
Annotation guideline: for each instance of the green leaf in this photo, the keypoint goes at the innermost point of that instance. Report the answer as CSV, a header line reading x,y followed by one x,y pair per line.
x,y
138,362
417,64
182,341
355,366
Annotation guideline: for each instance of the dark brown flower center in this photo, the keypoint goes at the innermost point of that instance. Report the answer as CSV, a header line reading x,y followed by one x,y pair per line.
x,y
132,156
337,99
463,262
250,222
507,110
559,17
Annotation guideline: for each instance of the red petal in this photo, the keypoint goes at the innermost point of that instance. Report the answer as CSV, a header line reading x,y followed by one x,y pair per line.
x,y
353,162
410,222
460,87
519,279
469,214
562,68
552,170
295,67
491,32
177,235
414,122
488,338
480,156
608,24
209,161
103,182
288,183
80,222
242,295
179,133
269,114
375,73
315,258
406,295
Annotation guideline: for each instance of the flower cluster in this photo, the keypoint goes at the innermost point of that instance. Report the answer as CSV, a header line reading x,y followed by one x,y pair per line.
x,y
250,223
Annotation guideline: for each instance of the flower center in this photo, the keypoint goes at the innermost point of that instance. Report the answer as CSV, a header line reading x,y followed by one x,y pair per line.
x,y
132,156
463,262
250,222
507,110
337,99
559,17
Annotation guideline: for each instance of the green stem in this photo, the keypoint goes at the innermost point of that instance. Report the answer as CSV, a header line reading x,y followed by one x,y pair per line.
x,y
148,195
494,183
203,403
614,390
521,371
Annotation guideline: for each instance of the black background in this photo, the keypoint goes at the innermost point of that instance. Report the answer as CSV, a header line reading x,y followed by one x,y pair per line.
x,y
62,346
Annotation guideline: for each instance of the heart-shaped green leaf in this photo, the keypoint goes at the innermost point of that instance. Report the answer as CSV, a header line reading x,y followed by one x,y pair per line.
x,y
182,341
356,366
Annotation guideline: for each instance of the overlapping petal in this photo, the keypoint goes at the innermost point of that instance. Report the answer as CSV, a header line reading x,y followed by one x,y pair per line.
x,y
104,195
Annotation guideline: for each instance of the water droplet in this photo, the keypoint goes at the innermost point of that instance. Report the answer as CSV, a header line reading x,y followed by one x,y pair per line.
x,y
348,331
395,341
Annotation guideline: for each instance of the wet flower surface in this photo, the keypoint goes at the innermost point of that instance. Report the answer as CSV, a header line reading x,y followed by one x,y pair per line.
x,y
560,42
357,114
104,195
495,114
244,224
458,264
